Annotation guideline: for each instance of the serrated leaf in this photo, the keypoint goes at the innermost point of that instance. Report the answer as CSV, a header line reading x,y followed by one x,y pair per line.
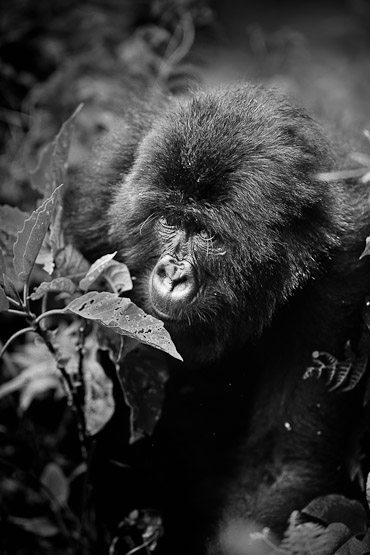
x,y
51,170
118,276
96,270
31,236
125,318
56,285
4,303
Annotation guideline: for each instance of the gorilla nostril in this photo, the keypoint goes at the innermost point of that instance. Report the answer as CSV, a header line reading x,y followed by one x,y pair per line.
x,y
172,283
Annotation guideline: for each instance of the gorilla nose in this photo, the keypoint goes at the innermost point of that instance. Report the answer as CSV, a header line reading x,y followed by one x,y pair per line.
x,y
173,281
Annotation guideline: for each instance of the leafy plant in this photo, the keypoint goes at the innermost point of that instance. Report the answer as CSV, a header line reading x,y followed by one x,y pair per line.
x,y
74,315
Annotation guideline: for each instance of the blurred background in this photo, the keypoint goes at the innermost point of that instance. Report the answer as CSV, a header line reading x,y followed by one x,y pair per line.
x,y
57,55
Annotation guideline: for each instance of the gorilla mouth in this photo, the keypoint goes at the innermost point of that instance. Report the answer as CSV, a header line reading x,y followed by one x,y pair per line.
x,y
165,316
177,320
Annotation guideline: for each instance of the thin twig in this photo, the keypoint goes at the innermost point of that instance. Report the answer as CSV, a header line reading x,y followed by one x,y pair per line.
x,y
13,302
18,312
81,352
75,402
54,312
15,336
26,301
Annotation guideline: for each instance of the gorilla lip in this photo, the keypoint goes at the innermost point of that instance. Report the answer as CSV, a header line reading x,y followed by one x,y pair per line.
x,y
172,320
159,314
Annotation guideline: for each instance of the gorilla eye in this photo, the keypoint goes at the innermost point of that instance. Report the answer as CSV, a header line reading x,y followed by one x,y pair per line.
x,y
205,235
166,222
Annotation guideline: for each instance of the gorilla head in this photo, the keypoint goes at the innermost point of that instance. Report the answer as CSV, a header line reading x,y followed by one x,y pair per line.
x,y
221,218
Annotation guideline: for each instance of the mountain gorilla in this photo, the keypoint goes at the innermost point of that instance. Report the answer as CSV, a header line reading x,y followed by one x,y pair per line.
x,y
218,203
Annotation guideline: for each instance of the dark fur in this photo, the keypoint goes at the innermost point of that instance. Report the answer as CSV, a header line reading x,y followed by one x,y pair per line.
x,y
280,278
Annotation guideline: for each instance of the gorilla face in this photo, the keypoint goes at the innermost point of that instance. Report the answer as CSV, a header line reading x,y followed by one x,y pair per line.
x,y
221,218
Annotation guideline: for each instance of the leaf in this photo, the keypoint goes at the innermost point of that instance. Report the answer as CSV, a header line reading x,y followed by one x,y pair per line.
x,y
339,375
45,259
40,526
337,508
366,250
140,530
301,539
10,289
2,265
99,401
118,276
38,374
39,387
51,170
4,303
143,376
58,284
11,219
95,271
69,262
125,318
30,238
55,481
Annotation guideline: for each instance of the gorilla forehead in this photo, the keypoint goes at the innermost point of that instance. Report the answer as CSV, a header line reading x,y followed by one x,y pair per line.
x,y
207,144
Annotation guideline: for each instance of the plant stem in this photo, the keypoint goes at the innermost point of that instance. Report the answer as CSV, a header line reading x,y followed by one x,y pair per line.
x,y
13,337
18,312
13,302
26,301
71,390
54,312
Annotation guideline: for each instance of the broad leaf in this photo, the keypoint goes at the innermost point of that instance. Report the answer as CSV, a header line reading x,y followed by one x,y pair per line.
x,y
96,270
125,318
118,276
51,170
4,303
56,285
30,238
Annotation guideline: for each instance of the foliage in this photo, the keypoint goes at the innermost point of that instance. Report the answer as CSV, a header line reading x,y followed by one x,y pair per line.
x,y
69,325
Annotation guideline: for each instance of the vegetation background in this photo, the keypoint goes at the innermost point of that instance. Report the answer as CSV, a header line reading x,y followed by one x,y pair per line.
x,y
53,57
